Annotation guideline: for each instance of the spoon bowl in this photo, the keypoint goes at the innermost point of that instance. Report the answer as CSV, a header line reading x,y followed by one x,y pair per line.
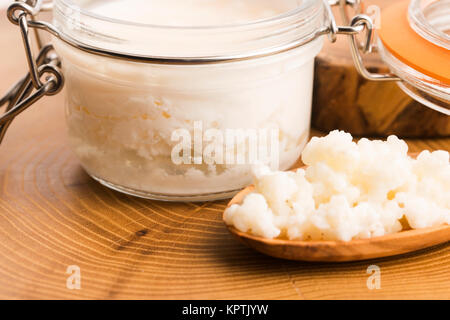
x,y
342,251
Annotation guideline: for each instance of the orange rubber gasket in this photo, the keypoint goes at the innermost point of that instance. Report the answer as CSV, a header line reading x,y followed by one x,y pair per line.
x,y
409,47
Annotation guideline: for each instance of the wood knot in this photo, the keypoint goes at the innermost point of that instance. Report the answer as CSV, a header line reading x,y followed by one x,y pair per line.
x,y
141,233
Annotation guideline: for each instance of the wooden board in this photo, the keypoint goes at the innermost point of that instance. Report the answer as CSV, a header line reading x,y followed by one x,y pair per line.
x,y
52,215
344,100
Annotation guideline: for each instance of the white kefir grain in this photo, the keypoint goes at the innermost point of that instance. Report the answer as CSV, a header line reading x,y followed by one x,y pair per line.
x,y
348,191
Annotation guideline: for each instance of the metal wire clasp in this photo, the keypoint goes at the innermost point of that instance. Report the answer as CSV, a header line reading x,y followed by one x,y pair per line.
x,y
357,25
44,77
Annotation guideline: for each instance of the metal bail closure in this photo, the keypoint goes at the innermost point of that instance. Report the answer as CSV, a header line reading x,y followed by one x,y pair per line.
x,y
359,24
44,77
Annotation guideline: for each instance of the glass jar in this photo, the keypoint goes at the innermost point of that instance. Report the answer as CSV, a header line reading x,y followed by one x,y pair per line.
x,y
181,109
122,115
425,71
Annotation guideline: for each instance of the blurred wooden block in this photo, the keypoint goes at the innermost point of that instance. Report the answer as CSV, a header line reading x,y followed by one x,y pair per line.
x,y
344,100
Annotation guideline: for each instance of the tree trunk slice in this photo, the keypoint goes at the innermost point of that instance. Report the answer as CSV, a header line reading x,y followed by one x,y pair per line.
x,y
344,100
52,216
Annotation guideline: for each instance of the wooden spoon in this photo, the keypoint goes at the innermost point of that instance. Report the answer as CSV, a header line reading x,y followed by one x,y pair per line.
x,y
341,251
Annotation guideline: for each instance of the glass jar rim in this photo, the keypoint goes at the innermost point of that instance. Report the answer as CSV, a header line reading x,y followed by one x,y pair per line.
x,y
115,38
426,80
305,4
419,86
420,21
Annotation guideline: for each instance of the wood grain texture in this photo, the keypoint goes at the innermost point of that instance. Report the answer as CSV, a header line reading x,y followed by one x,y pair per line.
x,y
345,100
53,215
341,251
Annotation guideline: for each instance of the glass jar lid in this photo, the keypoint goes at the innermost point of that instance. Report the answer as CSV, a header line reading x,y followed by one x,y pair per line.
x,y
431,20
414,39
122,27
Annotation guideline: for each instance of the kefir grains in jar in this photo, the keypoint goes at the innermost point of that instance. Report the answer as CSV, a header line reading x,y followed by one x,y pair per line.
x,y
187,131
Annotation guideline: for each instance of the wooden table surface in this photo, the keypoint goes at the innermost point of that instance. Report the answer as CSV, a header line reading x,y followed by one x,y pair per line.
x,y
52,215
